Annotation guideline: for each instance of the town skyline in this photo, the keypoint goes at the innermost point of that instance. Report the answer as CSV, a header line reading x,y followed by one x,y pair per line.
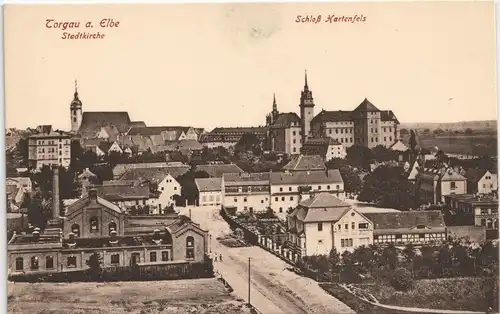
x,y
228,76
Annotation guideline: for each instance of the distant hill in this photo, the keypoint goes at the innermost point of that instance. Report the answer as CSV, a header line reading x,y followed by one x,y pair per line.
x,y
453,126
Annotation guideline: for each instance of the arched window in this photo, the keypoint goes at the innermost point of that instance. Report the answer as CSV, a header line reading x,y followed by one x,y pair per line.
x,y
94,224
75,228
34,263
112,227
190,247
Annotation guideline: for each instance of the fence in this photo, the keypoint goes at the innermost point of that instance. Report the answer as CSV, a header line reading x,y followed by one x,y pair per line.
x,y
125,273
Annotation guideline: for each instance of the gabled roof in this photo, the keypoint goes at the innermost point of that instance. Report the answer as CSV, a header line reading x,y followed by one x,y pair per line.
x,y
366,106
120,169
81,203
208,184
93,121
258,178
86,173
286,120
137,124
332,116
388,115
51,134
399,147
154,174
323,200
303,177
474,174
305,163
407,220
218,170
323,207
123,191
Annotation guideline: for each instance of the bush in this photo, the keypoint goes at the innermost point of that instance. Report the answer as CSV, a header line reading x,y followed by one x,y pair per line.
x,y
402,279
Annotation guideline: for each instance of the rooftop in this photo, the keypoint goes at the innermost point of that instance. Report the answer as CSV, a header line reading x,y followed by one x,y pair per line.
x,y
305,163
307,177
407,220
323,207
474,198
217,170
209,184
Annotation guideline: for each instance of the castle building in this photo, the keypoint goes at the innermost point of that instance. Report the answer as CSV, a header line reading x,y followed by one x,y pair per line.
x,y
51,147
306,110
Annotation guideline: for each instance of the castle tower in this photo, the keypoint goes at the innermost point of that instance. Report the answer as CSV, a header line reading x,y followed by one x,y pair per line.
x,y
75,109
306,110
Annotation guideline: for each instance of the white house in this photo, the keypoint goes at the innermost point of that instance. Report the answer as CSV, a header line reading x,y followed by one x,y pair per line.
x,y
246,191
115,147
168,188
481,181
210,191
323,222
412,174
290,188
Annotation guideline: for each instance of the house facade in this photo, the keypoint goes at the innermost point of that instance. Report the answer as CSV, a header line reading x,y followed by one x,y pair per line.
x,y
51,148
288,189
326,147
481,181
432,185
324,222
249,192
229,137
475,209
209,190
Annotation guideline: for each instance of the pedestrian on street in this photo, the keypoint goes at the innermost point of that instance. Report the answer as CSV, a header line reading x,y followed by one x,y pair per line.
x,y
220,257
215,260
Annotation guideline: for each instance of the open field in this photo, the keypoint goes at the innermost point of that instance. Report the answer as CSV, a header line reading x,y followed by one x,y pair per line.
x,y
473,145
175,297
450,294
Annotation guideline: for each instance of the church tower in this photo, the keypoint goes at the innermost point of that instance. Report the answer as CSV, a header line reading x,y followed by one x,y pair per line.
x,y
306,110
273,116
75,109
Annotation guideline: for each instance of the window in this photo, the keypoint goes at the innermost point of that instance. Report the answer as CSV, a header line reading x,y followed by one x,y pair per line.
x,y
115,259
162,188
190,247
453,185
262,201
363,225
164,256
291,198
320,226
319,187
281,209
399,236
244,199
75,229
276,198
175,188
34,263
294,141
290,189
346,226
94,224
320,241
353,225
390,138
281,189
283,198
49,262
337,187
71,262
152,256
19,263
136,258
421,236
293,132
327,187
294,149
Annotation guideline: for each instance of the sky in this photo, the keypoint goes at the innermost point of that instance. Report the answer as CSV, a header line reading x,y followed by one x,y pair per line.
x,y
208,65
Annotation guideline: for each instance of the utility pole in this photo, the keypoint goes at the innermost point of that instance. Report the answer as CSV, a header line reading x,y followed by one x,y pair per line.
x,y
249,281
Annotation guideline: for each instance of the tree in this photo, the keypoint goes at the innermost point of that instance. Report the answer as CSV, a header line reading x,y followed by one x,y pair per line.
x,y
468,131
388,186
403,131
22,149
413,141
95,263
382,153
365,257
189,191
402,279
359,156
249,142
438,131
389,256
334,261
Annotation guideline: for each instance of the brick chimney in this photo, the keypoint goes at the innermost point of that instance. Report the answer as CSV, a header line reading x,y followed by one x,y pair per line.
x,y
55,193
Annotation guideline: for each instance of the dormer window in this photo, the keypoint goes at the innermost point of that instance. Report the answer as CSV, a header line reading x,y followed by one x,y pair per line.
x,y
420,226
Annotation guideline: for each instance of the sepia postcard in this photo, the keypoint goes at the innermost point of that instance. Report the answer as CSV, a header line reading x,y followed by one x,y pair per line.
x,y
270,158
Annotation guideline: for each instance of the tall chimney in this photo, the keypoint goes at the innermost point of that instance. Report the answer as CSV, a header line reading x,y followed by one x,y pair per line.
x,y
55,193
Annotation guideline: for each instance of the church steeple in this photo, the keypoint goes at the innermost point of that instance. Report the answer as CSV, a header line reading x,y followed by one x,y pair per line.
x,y
75,109
275,106
306,109
306,87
